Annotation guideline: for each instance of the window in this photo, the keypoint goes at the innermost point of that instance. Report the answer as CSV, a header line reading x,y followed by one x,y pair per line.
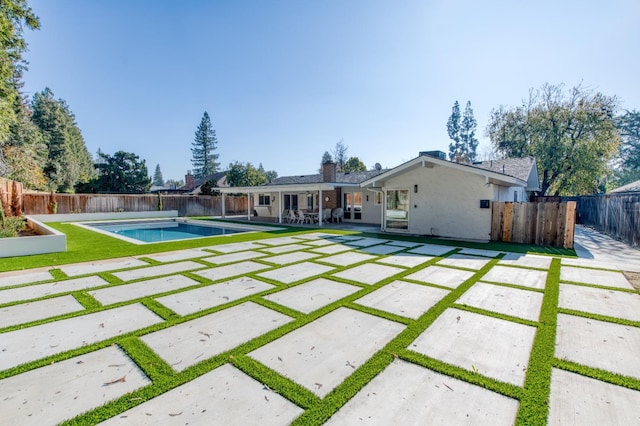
x,y
291,201
515,196
397,211
264,199
310,201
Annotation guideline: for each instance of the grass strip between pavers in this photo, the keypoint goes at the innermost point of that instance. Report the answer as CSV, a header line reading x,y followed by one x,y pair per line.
x,y
534,406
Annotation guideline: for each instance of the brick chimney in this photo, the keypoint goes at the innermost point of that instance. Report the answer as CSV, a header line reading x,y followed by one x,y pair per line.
x,y
189,180
329,171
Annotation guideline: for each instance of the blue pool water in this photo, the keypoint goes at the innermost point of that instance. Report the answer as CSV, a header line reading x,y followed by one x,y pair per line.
x,y
157,231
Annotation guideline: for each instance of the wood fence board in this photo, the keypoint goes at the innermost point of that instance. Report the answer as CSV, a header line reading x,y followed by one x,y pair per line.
x,y
506,229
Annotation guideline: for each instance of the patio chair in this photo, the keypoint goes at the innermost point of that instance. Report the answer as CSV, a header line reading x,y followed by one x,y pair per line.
x,y
292,218
301,217
326,216
337,215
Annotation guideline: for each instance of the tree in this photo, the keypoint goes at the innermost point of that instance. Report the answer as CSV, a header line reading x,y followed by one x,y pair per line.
x,y
340,155
629,162
204,160
354,164
120,173
326,158
453,129
174,183
15,16
468,140
463,133
157,177
239,174
572,136
68,161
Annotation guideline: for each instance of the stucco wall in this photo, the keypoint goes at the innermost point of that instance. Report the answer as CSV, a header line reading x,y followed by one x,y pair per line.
x,y
507,194
447,203
370,210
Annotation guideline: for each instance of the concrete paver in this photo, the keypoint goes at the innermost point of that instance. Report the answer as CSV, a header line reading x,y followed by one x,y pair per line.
x,y
480,252
346,259
279,241
403,298
233,257
315,236
47,289
224,396
21,277
199,299
366,242
191,342
410,394
505,300
613,303
432,249
233,247
297,272
173,256
589,263
594,276
517,276
526,260
460,338
405,244
285,249
381,249
151,271
62,390
29,344
580,400
447,277
599,344
407,260
228,271
369,273
34,311
122,293
318,242
320,355
101,266
332,249
464,261
312,295
285,259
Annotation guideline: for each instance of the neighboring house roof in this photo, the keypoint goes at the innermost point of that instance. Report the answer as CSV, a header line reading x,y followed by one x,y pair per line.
x,y
510,172
630,187
344,178
195,188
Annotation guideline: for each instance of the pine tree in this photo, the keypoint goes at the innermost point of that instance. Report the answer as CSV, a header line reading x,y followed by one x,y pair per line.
x,y
468,140
453,128
157,177
204,160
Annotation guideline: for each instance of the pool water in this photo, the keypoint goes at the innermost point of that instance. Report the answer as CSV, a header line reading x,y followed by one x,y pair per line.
x,y
153,232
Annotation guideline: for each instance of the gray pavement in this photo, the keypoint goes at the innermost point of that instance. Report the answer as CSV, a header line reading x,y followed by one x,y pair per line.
x,y
280,328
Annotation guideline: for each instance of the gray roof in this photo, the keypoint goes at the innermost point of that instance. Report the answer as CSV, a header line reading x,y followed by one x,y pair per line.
x,y
516,167
630,187
346,178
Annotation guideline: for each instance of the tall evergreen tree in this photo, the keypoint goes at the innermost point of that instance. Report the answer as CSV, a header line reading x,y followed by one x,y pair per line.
x,y
157,177
203,158
453,128
68,161
468,140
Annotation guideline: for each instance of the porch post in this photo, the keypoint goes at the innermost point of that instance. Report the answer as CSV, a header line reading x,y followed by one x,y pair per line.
x,y
223,206
248,206
320,217
279,207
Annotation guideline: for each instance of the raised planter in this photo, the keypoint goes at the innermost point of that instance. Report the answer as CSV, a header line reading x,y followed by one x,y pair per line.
x,y
49,241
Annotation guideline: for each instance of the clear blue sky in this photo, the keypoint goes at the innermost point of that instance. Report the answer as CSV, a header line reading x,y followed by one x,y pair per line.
x,y
285,80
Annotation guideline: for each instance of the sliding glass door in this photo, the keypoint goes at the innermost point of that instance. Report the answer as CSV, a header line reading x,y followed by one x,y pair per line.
x,y
397,211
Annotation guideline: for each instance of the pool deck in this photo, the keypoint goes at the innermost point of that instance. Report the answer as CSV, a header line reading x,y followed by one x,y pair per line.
x,y
371,329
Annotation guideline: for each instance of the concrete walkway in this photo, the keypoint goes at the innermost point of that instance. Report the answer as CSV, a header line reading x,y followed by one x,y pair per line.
x,y
270,331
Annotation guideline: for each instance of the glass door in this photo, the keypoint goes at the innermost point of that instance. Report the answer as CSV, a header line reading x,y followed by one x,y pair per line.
x,y
352,205
397,211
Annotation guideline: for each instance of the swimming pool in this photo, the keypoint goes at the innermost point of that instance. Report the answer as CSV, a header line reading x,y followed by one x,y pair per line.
x,y
155,231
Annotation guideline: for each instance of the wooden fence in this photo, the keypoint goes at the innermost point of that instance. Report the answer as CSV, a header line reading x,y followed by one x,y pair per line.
x,y
617,215
546,224
186,205
11,197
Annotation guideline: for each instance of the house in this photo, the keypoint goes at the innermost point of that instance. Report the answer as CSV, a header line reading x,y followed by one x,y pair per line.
x,y
329,189
628,188
192,185
432,196
424,196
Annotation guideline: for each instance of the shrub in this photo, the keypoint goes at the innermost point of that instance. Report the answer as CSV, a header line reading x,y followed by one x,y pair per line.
x,y
12,226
